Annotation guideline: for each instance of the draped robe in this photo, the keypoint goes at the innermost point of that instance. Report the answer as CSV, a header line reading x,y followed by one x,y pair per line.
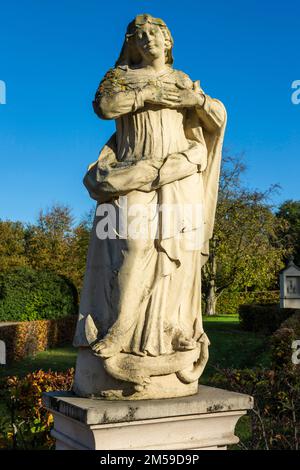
x,y
144,294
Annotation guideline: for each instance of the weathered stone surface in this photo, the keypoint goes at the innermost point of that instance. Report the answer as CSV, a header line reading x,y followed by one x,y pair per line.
x,y
203,421
91,379
98,411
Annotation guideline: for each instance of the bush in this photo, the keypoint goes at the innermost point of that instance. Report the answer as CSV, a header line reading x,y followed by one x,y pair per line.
x,y
25,423
275,418
263,318
228,302
26,294
293,322
281,342
27,338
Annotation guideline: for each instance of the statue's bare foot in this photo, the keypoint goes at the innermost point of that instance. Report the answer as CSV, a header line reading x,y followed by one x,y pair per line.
x,y
106,348
144,382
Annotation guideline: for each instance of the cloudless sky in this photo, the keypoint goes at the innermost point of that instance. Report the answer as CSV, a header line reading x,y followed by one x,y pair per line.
x,y
53,54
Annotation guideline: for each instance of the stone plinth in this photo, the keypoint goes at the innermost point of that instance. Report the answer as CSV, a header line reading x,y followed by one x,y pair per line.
x,y
203,421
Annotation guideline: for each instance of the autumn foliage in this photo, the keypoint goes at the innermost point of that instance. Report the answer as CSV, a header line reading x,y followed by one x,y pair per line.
x,y
24,422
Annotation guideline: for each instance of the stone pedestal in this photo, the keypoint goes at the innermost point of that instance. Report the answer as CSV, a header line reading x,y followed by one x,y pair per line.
x,y
203,421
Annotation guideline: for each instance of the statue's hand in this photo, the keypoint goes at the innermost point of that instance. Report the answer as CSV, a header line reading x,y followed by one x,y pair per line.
x,y
189,98
174,97
168,96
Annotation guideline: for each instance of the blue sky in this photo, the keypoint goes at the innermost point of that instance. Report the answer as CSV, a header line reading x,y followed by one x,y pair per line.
x,y
54,53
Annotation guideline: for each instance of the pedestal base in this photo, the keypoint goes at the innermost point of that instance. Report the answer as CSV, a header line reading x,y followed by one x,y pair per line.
x,y
203,421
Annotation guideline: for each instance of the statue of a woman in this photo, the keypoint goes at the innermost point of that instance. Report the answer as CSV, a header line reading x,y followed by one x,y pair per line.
x,y
140,328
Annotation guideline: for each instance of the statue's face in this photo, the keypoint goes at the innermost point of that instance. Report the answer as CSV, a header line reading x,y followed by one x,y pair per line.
x,y
150,42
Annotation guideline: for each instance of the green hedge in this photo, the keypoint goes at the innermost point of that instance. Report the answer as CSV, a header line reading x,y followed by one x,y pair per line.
x,y
263,318
26,295
228,303
27,338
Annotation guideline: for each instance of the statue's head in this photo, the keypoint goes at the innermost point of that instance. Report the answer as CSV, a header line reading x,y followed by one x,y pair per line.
x,y
146,38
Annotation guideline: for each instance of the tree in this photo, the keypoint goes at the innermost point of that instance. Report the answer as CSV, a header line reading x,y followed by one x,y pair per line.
x,y
56,244
12,245
246,251
79,247
48,242
289,211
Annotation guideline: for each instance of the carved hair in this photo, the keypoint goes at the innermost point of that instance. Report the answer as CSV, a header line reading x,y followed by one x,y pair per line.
x,y
129,55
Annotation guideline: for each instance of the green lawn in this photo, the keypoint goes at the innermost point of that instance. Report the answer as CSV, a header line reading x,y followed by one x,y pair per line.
x,y
233,347
58,359
221,319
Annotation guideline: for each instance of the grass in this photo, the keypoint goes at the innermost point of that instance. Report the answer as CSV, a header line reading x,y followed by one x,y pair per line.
x,y
222,319
232,347
58,359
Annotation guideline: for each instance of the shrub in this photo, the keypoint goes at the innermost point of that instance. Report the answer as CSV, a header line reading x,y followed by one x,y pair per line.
x,y
27,338
26,424
293,322
281,342
228,302
275,418
263,318
26,294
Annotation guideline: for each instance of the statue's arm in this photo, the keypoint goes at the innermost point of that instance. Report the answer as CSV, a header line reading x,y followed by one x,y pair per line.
x,y
212,114
112,106
115,97
116,181
111,101
175,167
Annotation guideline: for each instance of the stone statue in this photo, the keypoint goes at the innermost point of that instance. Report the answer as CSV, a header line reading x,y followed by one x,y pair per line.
x,y
140,329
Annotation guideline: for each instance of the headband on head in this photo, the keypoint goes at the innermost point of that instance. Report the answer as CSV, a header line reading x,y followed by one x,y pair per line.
x,y
127,56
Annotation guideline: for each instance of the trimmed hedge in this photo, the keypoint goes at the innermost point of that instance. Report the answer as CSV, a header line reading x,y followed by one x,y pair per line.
x,y
26,294
228,303
263,318
24,339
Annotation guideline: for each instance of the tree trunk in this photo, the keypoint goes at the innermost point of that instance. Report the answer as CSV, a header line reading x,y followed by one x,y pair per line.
x,y
211,301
